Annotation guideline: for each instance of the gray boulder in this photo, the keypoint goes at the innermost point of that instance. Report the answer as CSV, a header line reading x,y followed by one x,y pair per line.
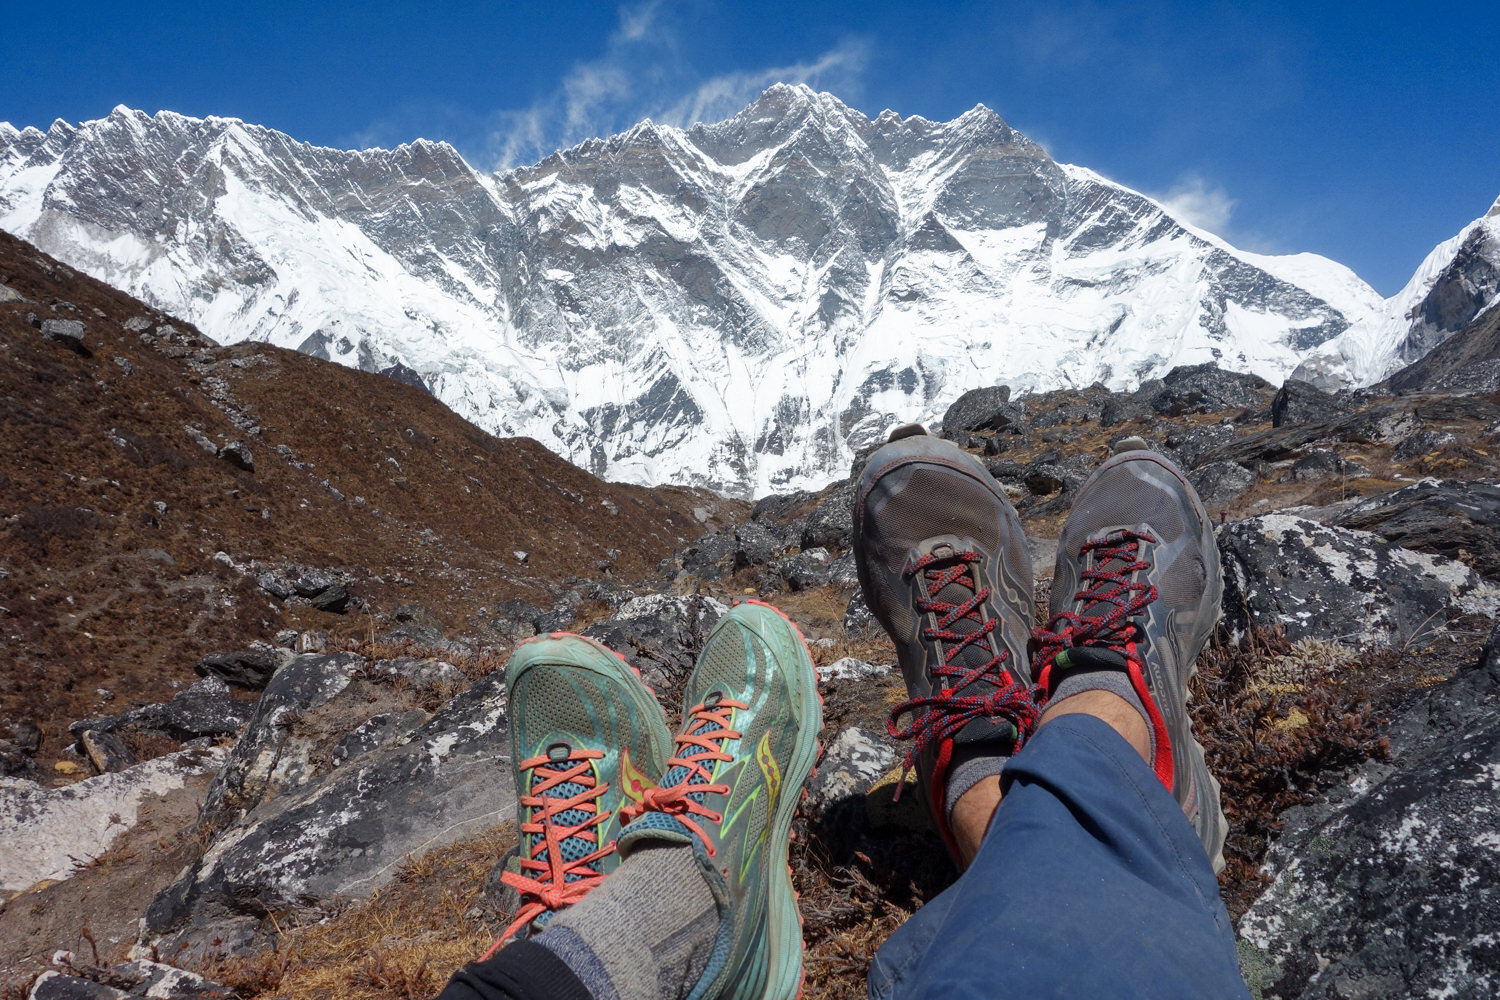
x,y
807,570
237,454
832,523
67,332
270,758
1422,443
1220,483
710,557
843,571
1186,447
1207,388
203,708
851,764
987,409
1391,887
55,985
246,668
1454,519
515,619
106,751
1121,409
344,834
375,732
1378,425
859,621
1299,402
756,543
661,637
140,978
1332,583
1321,464
48,832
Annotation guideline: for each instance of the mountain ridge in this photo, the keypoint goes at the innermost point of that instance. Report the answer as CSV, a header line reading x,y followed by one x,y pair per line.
x,y
741,305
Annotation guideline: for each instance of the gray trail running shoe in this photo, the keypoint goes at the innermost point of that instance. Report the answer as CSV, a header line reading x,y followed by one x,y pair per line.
x,y
748,742
944,567
1137,588
587,738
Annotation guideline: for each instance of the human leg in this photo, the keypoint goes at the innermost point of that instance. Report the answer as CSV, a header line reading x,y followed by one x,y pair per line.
x,y
701,904
1092,880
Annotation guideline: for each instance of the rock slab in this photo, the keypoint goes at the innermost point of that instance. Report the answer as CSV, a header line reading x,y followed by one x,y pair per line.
x,y
1327,582
48,832
1391,887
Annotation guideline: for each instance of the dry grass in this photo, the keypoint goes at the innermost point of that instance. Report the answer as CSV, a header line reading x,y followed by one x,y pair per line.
x,y
1280,722
401,944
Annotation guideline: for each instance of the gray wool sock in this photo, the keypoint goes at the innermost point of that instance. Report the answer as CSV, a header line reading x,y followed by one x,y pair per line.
x,y
646,932
964,775
1113,681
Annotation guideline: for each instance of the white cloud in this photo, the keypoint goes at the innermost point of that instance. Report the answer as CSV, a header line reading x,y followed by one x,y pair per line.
x,y
838,70
636,21
643,72
1198,203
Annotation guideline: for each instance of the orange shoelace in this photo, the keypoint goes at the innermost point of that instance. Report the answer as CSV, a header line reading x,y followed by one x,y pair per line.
x,y
555,882
682,798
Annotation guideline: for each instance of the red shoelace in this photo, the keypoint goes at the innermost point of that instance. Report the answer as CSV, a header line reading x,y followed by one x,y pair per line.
x,y
1114,629
941,714
708,730
551,884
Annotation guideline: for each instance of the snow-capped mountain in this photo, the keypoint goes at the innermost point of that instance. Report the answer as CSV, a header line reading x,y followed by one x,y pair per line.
x,y
737,305
1455,284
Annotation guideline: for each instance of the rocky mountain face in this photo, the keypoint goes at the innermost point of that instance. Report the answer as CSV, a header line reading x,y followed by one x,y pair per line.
x,y
1456,286
742,305
257,609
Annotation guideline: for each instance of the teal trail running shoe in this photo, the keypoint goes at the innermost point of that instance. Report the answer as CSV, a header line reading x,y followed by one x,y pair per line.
x,y
748,742
586,738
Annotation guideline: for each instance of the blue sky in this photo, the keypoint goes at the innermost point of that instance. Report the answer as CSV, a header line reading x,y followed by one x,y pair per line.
x,y
1366,132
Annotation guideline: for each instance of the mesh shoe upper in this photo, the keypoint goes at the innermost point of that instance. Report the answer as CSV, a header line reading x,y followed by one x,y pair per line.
x,y
1137,587
747,744
945,570
587,737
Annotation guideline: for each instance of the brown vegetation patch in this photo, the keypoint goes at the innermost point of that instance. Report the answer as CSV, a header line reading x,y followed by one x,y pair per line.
x,y
112,512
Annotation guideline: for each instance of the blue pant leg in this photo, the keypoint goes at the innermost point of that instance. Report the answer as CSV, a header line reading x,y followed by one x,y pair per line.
x,y
1090,883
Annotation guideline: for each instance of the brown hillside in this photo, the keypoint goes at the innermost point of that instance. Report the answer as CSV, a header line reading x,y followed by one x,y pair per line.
x,y
113,512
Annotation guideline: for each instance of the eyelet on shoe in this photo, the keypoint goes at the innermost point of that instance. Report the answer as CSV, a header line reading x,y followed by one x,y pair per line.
x,y
558,752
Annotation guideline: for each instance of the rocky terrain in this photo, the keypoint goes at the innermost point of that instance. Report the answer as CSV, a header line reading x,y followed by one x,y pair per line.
x,y
256,609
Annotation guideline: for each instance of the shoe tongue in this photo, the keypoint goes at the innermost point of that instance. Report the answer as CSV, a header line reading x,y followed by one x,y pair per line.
x,y
679,774
1086,658
575,847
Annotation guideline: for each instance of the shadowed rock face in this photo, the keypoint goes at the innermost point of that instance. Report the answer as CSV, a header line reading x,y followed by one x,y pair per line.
x,y
1469,361
337,833
742,305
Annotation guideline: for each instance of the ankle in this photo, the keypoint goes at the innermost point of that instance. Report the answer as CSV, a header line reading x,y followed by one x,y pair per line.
x,y
1109,708
969,819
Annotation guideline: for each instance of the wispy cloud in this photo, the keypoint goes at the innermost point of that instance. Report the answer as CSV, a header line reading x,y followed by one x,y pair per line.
x,y
645,72
839,69
1199,203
